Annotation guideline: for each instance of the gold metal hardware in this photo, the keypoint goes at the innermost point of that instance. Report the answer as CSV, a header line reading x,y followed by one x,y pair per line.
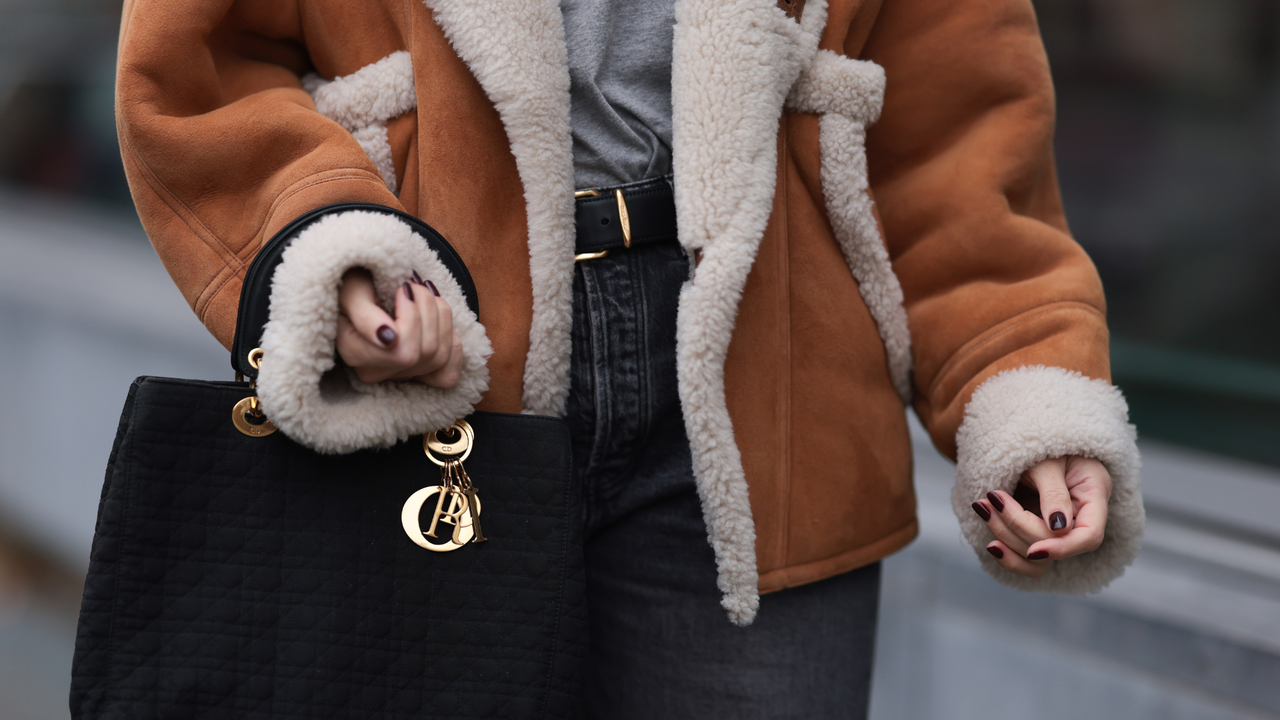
x,y
432,442
462,509
240,418
251,406
625,217
458,514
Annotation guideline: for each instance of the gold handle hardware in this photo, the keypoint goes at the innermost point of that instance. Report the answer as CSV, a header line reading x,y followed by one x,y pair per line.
x,y
251,407
246,409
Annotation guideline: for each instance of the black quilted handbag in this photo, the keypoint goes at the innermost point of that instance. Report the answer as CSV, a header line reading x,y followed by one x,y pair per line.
x,y
246,577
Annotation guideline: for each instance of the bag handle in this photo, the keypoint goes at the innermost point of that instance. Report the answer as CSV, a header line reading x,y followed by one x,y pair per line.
x,y
255,293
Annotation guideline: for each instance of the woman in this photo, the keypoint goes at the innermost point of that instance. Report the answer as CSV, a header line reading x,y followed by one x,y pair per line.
x,y
745,384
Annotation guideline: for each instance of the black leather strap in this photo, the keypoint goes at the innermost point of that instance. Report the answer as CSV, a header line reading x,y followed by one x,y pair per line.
x,y
651,208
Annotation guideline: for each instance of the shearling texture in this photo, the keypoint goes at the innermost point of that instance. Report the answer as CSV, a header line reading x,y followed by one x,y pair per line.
x,y
733,63
835,83
516,49
1020,417
373,94
849,94
364,101
373,140
303,391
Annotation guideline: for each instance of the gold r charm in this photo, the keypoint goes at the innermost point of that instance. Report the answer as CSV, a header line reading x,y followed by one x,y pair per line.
x,y
456,512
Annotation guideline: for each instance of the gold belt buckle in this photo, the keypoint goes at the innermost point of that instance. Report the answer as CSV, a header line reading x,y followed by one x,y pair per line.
x,y
623,215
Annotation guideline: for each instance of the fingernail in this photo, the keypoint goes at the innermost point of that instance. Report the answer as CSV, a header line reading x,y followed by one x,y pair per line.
x,y
997,552
417,278
982,511
996,501
1038,555
1057,521
408,290
432,287
386,335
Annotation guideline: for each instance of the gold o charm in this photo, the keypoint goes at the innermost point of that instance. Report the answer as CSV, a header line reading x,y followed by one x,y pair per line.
x,y
410,519
240,420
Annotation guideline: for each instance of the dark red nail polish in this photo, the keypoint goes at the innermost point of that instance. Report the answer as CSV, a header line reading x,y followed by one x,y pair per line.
x,y
982,511
417,278
386,335
432,287
408,290
996,501
1039,555
995,551
1057,521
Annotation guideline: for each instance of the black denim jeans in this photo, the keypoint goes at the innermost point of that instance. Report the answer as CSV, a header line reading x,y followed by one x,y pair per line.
x,y
661,645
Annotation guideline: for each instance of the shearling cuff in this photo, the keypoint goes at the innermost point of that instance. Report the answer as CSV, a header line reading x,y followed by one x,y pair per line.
x,y
303,390
1020,417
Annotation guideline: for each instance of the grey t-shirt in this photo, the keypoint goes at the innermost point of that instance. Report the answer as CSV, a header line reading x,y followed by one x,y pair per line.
x,y
620,75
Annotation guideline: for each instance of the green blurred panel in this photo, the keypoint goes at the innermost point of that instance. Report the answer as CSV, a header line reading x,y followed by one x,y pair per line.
x,y
1213,403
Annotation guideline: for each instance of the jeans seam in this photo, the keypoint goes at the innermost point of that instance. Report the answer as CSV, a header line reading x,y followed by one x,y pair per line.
x,y
601,392
644,375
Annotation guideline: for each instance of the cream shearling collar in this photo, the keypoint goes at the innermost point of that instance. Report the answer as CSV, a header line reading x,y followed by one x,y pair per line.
x,y
732,59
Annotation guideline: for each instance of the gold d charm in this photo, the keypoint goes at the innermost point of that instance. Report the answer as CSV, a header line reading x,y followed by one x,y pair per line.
x,y
457,512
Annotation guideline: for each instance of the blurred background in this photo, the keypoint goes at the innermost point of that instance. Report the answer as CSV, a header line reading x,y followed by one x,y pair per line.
x,y
1169,153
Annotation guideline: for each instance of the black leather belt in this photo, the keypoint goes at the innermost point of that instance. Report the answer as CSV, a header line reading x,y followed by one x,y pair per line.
x,y
623,217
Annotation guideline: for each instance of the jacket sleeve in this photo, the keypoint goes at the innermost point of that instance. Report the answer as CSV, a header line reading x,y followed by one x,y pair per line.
x,y
223,147
1007,315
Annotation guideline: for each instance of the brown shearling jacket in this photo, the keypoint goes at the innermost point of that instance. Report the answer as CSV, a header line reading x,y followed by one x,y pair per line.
x,y
865,168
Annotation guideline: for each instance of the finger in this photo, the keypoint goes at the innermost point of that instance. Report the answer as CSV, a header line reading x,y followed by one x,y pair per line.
x,y
449,375
1049,478
353,348
1025,525
1014,562
437,336
358,302
1087,473
444,333
370,362
432,342
1086,536
1001,529
409,323
422,359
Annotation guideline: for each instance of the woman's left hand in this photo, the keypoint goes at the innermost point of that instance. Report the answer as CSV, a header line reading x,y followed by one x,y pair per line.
x,y
1074,492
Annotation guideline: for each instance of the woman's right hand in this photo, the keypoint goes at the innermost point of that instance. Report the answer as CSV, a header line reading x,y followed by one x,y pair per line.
x,y
419,343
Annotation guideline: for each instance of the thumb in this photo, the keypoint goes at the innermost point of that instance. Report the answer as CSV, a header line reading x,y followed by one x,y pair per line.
x,y
1048,477
359,303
